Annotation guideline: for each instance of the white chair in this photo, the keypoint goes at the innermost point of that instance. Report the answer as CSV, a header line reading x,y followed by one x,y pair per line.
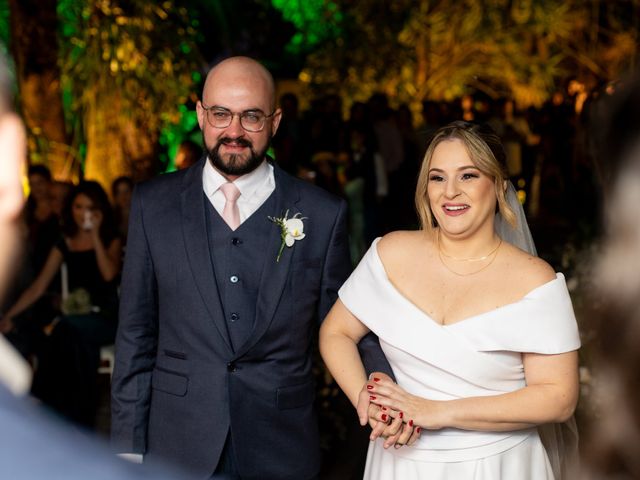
x,y
107,357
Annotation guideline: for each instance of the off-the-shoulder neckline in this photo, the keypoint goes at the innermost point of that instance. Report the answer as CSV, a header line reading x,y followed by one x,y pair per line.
x,y
374,248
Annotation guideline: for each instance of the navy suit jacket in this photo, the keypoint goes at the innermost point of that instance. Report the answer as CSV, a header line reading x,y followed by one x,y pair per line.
x,y
178,386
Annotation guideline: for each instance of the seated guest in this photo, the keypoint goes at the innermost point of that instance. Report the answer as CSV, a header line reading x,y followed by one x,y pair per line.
x,y
121,190
91,253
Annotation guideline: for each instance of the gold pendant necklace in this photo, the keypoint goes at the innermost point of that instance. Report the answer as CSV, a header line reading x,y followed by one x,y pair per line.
x,y
493,252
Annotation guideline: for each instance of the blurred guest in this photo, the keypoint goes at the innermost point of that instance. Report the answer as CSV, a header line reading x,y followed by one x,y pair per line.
x,y
31,444
325,125
326,173
58,196
188,154
367,163
614,434
42,224
90,251
390,146
121,191
287,142
353,188
41,232
405,217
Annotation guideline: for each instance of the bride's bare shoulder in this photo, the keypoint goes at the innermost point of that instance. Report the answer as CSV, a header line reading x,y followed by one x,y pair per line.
x,y
534,271
397,246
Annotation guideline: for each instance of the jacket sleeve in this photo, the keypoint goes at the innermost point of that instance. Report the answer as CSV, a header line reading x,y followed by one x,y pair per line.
x,y
136,339
337,268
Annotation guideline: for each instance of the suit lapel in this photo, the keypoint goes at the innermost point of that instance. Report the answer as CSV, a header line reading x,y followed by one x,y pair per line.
x,y
194,230
274,274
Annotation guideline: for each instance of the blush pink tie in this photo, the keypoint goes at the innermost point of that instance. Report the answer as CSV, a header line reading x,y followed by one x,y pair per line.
x,y
230,213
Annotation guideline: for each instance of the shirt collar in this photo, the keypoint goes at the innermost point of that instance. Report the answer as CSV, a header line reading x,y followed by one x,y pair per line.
x,y
247,184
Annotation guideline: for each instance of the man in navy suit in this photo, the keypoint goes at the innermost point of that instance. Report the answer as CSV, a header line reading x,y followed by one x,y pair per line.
x,y
222,295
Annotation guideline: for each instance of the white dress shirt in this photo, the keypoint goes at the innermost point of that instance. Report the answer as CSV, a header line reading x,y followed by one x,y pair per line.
x,y
255,188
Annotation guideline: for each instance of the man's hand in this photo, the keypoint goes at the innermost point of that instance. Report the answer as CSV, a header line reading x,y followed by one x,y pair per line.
x,y
384,422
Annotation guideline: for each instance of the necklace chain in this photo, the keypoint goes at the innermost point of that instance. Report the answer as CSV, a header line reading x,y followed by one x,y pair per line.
x,y
472,259
441,253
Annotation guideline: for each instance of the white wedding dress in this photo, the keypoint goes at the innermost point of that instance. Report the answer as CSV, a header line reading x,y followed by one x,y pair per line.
x,y
478,356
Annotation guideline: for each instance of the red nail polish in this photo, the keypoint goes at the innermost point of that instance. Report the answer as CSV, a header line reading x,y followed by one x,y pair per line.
x,y
369,387
384,409
401,414
375,379
384,417
418,430
411,423
372,397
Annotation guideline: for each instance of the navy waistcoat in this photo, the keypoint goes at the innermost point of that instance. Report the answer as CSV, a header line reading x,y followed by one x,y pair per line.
x,y
237,260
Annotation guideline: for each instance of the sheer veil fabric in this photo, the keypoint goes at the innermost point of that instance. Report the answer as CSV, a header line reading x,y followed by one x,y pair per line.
x,y
559,439
521,235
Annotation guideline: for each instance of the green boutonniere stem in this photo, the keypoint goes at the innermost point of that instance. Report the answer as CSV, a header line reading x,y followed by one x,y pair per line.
x,y
282,245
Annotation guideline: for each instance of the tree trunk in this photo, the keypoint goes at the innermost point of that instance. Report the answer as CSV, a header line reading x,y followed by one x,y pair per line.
x,y
34,45
115,145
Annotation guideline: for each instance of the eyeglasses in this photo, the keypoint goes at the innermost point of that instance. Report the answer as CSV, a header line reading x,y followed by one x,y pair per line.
x,y
250,120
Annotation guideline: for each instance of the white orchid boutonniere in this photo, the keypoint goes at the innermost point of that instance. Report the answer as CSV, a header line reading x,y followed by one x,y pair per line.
x,y
291,230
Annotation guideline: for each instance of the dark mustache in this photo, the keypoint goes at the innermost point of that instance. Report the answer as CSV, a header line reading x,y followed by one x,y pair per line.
x,y
243,142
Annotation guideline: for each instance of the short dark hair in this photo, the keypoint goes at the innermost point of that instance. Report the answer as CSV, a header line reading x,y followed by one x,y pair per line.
x,y
121,180
40,170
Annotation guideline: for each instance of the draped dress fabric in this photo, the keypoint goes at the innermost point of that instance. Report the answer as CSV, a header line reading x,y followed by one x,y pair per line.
x,y
478,356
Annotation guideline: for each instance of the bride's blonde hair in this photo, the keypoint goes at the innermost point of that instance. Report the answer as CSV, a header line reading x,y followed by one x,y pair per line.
x,y
486,152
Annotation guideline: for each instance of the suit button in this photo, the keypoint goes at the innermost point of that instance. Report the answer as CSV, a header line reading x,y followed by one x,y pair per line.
x,y
236,241
231,367
234,316
234,279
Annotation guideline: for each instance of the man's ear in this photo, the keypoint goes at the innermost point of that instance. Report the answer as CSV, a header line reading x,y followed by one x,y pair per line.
x,y
275,121
200,112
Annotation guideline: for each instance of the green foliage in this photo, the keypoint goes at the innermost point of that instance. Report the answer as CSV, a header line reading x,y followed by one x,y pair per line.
x,y
126,50
416,50
5,26
316,21
174,134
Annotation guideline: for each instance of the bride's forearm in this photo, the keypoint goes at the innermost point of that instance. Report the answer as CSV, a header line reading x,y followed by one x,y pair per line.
x,y
339,336
524,408
340,354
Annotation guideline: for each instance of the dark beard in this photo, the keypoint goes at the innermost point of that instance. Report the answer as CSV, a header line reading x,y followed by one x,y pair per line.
x,y
236,166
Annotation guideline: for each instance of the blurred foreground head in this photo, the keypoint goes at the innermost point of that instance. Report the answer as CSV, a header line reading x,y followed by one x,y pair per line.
x,y
12,155
615,434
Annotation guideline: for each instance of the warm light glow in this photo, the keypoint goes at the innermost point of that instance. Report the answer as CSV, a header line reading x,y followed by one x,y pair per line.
x,y
304,77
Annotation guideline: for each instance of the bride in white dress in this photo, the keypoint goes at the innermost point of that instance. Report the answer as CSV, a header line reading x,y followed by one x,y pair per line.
x,y
480,334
